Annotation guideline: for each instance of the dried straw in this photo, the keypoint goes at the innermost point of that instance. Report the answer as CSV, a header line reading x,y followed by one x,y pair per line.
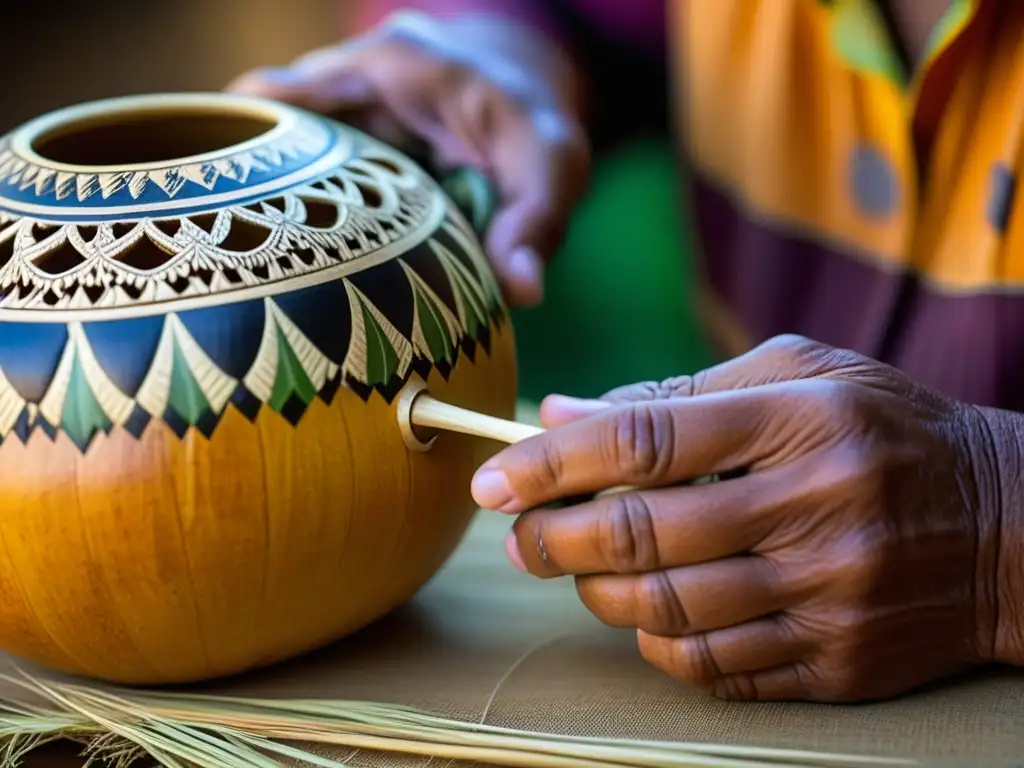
x,y
177,729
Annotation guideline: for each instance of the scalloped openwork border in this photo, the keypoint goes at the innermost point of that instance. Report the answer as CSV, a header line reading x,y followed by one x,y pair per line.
x,y
373,201
188,385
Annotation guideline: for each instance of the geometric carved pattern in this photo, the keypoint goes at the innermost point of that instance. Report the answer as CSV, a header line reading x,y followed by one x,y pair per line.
x,y
258,277
311,196
187,380
339,217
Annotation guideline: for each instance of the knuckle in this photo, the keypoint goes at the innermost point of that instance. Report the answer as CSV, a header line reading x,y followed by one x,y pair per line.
x,y
852,482
476,89
629,540
739,687
811,357
867,565
680,658
548,467
632,393
454,76
790,346
659,608
841,398
679,386
565,137
839,642
842,465
840,360
701,665
647,391
644,441
833,406
534,469
552,125
836,682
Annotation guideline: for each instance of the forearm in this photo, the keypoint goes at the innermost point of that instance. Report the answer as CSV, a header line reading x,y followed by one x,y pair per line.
x,y
523,32
1002,540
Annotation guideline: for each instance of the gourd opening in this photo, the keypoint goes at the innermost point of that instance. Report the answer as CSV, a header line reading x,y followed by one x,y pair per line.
x,y
154,136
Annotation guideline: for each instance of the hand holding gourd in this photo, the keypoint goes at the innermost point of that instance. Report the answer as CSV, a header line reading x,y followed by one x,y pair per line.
x,y
479,93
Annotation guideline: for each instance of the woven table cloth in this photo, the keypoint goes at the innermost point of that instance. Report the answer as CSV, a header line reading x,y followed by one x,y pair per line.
x,y
484,642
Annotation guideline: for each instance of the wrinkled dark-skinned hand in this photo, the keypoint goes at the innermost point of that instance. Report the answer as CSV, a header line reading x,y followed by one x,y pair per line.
x,y
479,92
855,556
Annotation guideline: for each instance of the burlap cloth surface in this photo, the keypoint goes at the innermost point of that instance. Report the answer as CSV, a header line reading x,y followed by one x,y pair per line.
x,y
484,642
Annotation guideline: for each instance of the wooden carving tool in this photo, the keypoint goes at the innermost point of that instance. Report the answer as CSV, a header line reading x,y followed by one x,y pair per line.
x,y
417,409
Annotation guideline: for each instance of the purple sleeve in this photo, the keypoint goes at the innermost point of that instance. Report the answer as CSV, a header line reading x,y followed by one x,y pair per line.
x,y
531,12
638,23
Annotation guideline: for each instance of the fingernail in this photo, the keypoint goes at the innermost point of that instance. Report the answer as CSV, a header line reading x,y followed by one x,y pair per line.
x,y
559,410
512,550
526,270
490,489
576,405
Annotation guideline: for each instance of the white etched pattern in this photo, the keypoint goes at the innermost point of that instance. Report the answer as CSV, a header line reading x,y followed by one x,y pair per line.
x,y
350,213
305,139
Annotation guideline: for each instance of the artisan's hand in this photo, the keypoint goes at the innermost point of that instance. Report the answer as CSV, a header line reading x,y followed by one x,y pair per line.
x,y
479,92
855,558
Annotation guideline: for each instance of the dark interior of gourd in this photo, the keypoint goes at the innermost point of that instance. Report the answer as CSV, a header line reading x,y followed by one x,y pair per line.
x,y
147,137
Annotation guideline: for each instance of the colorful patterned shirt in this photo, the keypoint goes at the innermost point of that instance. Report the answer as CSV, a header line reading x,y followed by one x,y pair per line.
x,y
840,196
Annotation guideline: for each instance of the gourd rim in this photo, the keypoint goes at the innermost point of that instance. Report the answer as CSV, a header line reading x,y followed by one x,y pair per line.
x,y
282,117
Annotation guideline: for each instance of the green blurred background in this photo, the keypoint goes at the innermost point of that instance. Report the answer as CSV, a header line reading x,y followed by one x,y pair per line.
x,y
617,307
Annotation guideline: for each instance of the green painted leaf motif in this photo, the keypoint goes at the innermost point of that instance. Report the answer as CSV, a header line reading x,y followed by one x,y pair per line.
x,y
291,377
186,397
433,326
82,416
474,195
474,313
381,358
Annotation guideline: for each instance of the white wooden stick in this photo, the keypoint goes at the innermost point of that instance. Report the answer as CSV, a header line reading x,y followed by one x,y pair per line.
x,y
433,414
416,408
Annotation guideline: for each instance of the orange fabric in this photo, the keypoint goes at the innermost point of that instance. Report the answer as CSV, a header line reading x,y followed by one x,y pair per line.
x,y
774,114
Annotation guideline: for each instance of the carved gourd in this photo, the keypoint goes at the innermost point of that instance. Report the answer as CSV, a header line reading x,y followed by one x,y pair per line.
x,y
208,305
